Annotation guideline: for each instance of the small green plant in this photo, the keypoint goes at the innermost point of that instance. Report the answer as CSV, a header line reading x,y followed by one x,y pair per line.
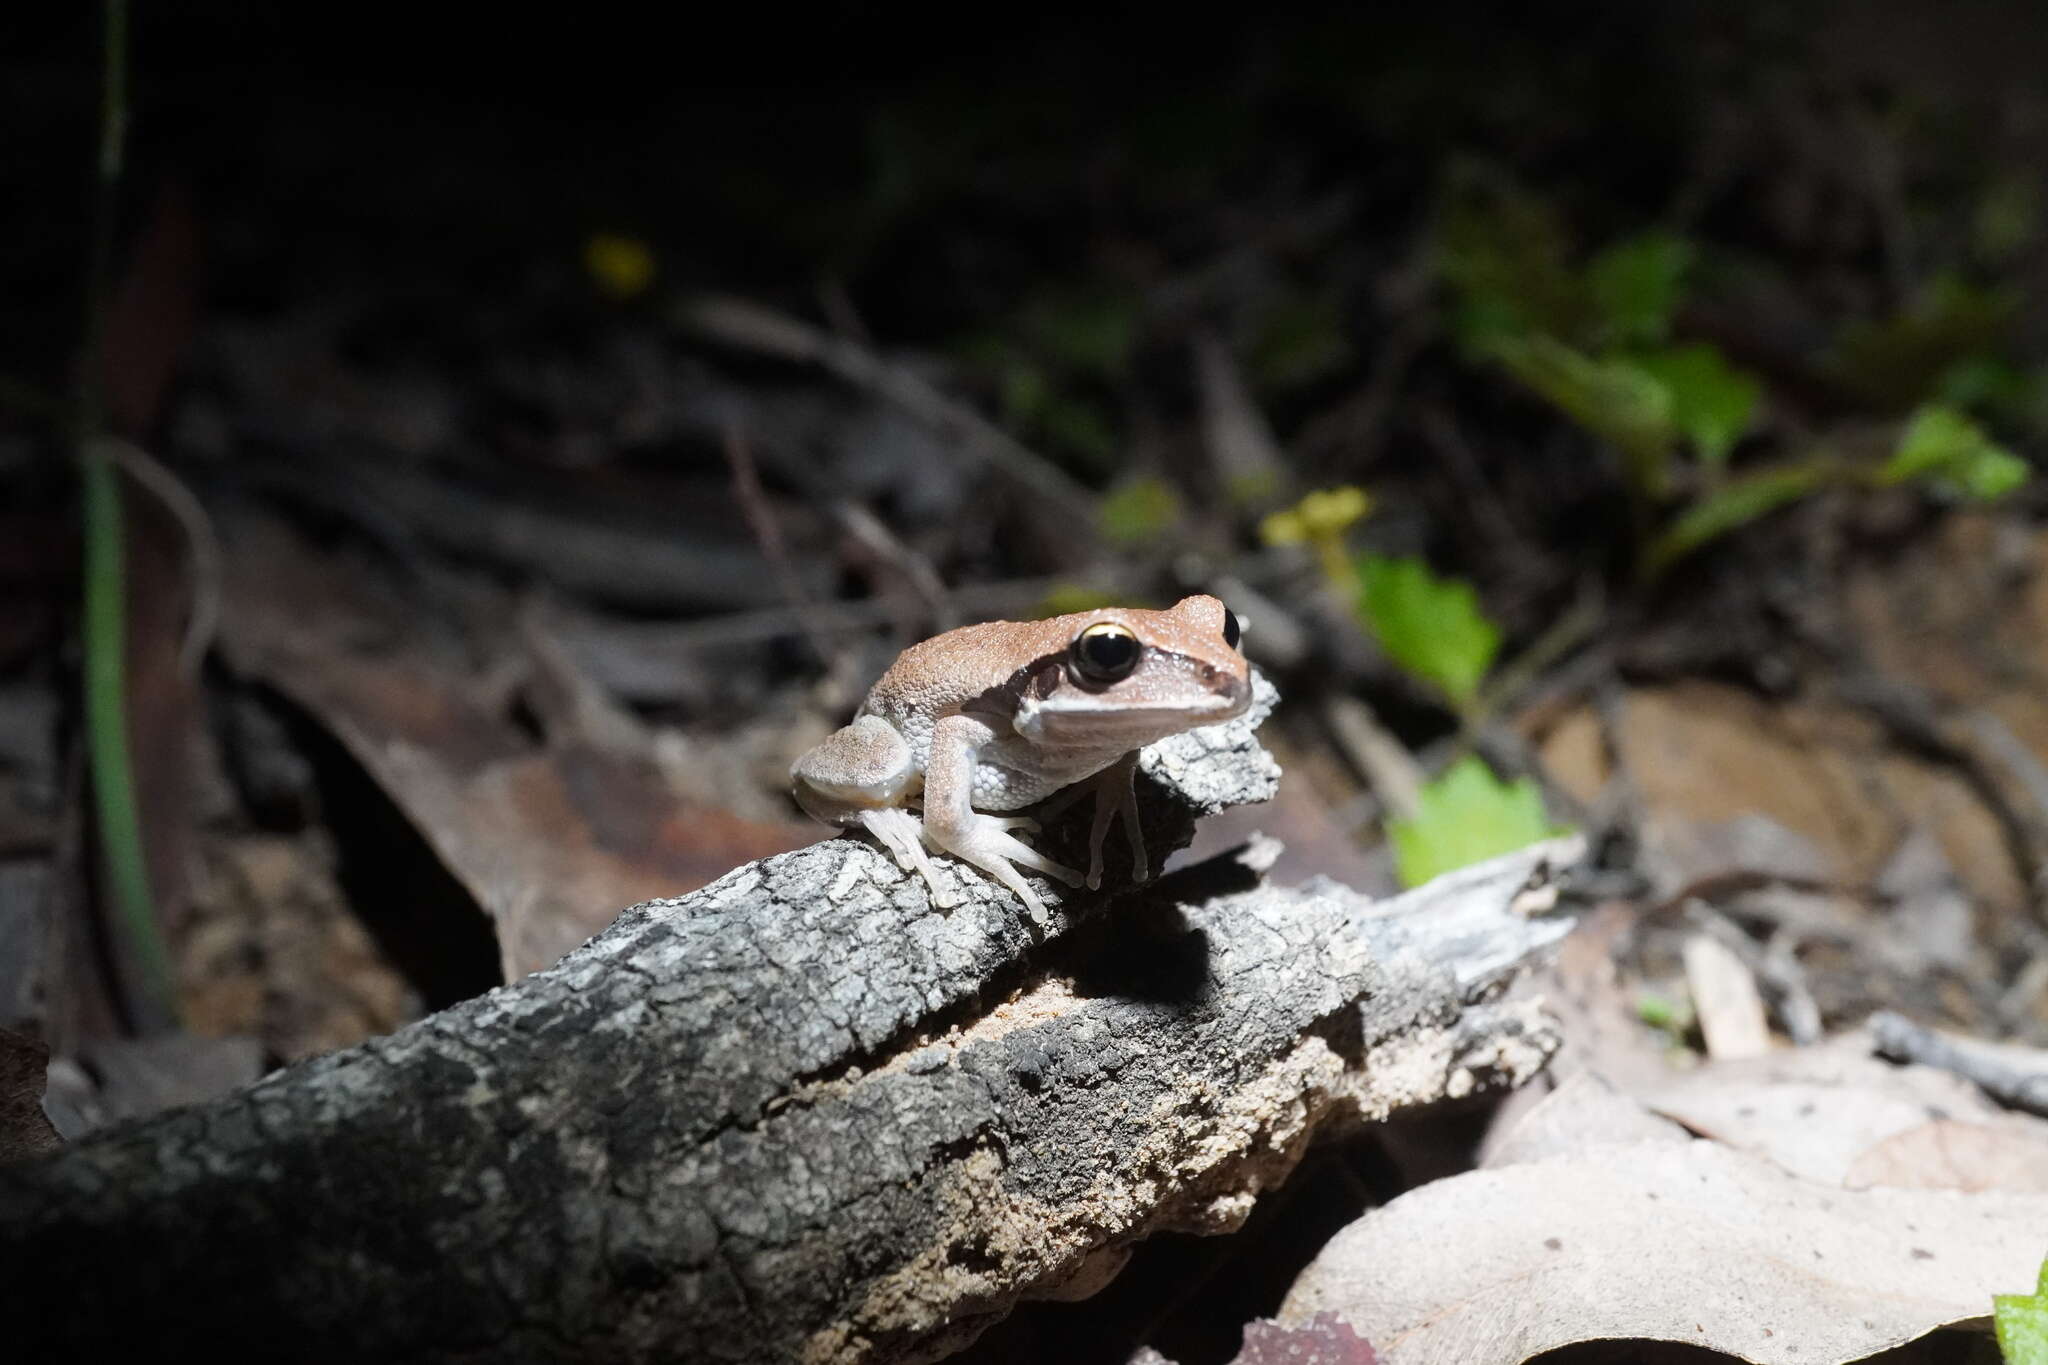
x,y
1947,450
2021,1321
1939,448
1466,815
1434,630
1432,627
1595,342
1663,1013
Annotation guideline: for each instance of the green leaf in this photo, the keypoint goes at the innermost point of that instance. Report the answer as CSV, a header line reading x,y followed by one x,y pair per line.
x,y
1936,438
1662,1012
1943,447
1735,505
1615,400
1992,473
2021,1321
1139,511
1711,402
1466,815
1636,286
1432,627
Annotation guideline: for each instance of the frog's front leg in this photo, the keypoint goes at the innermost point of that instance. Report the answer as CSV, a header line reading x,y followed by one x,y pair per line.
x,y
1116,793
952,823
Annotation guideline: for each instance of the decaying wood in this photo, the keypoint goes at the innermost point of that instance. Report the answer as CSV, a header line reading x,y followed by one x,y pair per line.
x,y
797,1115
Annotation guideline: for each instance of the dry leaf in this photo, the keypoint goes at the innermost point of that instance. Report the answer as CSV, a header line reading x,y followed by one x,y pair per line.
x,y
1585,1111
552,840
1948,1154
1815,1111
1684,1242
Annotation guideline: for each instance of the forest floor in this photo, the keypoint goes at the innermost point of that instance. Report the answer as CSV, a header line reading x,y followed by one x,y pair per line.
x,y
1637,430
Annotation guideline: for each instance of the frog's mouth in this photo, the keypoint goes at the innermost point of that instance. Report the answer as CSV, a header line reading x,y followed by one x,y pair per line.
x,y
1127,722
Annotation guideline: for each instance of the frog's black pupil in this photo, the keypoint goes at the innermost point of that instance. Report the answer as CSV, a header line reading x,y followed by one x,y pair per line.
x,y
1232,631
1106,654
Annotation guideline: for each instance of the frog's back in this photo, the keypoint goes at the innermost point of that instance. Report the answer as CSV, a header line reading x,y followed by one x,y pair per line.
x,y
940,676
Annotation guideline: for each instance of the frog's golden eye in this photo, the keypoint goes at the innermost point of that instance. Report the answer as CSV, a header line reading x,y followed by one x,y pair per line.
x,y
1104,653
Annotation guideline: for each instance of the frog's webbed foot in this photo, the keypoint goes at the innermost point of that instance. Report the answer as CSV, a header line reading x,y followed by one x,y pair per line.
x,y
1116,793
985,841
902,833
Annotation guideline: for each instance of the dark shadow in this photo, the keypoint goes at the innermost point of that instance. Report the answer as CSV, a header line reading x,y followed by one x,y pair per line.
x,y
1189,1297
423,919
1138,948
1633,1353
1936,1348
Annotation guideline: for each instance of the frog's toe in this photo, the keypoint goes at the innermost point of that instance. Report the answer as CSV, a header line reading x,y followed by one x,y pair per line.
x,y
902,834
984,842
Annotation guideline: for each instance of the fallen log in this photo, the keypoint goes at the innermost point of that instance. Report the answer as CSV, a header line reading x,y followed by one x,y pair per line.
x,y
800,1114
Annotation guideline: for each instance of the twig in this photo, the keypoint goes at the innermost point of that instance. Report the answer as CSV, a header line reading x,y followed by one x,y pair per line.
x,y
2016,1077
1355,428
1243,452
753,501
202,546
1880,156
651,661
878,540
737,322
1909,715
1580,622
1441,431
1395,776
839,310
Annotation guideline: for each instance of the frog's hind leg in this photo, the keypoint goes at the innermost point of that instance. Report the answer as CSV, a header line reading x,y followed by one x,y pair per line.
x,y
902,834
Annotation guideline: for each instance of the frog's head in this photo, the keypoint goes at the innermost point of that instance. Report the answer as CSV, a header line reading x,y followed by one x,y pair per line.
x,y
1129,677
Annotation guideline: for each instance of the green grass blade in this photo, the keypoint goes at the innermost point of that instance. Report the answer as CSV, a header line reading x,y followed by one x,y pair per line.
x,y
146,962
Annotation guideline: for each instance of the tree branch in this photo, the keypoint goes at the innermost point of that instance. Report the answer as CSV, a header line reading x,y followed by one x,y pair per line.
x,y
797,1115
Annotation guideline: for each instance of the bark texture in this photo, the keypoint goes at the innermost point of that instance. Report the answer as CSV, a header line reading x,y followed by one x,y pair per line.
x,y
797,1115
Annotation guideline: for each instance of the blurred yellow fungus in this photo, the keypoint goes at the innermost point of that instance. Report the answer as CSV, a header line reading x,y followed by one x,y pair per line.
x,y
621,267
1320,520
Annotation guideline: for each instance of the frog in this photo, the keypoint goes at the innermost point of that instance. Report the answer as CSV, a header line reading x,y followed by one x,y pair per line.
x,y
973,725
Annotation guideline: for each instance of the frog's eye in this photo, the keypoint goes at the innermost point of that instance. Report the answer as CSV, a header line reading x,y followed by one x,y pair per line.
x,y
1232,631
1104,653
